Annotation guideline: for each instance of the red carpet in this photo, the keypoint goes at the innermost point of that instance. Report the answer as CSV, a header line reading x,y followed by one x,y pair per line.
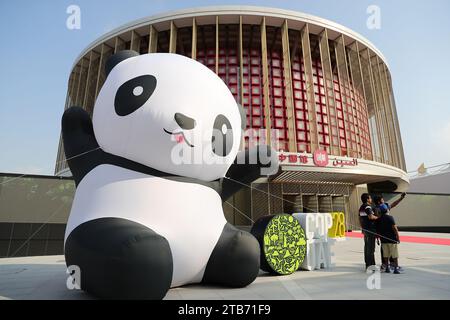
x,y
412,239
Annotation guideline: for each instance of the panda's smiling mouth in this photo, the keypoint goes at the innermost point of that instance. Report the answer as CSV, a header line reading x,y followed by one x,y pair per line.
x,y
179,137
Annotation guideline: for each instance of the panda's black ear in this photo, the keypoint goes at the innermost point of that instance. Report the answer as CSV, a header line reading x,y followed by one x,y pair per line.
x,y
118,57
243,116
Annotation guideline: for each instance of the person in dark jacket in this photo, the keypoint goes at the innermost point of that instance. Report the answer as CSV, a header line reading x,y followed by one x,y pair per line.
x,y
367,218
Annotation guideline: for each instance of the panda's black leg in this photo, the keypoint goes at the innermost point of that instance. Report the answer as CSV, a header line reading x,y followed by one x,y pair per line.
x,y
120,259
234,261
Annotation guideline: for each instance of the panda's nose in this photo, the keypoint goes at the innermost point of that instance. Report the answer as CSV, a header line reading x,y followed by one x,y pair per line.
x,y
184,121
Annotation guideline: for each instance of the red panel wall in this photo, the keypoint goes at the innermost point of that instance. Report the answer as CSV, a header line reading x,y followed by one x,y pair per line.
x,y
323,129
300,105
349,127
252,90
340,115
229,69
278,99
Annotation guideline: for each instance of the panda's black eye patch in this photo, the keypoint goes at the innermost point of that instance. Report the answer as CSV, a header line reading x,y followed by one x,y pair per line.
x,y
222,138
133,94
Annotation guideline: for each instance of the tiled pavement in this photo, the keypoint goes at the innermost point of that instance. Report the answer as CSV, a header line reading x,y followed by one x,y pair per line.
x,y
427,276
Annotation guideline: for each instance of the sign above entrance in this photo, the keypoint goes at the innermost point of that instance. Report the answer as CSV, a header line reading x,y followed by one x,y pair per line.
x,y
319,158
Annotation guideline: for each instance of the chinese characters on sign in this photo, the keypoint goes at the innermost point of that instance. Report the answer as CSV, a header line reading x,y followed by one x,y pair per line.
x,y
293,158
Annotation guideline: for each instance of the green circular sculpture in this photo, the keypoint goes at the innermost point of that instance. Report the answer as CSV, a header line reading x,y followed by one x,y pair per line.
x,y
282,241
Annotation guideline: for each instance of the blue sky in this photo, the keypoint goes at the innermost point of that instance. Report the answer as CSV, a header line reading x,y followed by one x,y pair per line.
x,y
38,51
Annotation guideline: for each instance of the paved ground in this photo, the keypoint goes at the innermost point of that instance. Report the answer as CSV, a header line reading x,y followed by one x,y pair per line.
x,y
427,276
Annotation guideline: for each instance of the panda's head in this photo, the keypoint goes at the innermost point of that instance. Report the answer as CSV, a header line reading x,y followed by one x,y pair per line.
x,y
167,112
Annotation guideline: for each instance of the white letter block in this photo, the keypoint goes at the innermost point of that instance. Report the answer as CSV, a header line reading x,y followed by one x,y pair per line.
x,y
318,253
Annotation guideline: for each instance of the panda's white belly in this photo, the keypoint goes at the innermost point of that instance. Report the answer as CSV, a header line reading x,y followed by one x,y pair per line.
x,y
188,215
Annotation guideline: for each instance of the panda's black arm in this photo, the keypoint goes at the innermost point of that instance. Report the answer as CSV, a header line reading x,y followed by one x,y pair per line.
x,y
249,165
80,146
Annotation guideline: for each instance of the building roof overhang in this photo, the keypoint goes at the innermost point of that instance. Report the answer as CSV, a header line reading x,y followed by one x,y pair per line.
x,y
230,14
342,170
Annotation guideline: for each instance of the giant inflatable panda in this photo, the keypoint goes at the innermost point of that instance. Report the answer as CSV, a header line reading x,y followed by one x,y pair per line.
x,y
147,213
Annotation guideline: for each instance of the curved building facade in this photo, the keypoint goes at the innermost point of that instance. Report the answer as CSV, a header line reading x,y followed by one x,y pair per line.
x,y
324,92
